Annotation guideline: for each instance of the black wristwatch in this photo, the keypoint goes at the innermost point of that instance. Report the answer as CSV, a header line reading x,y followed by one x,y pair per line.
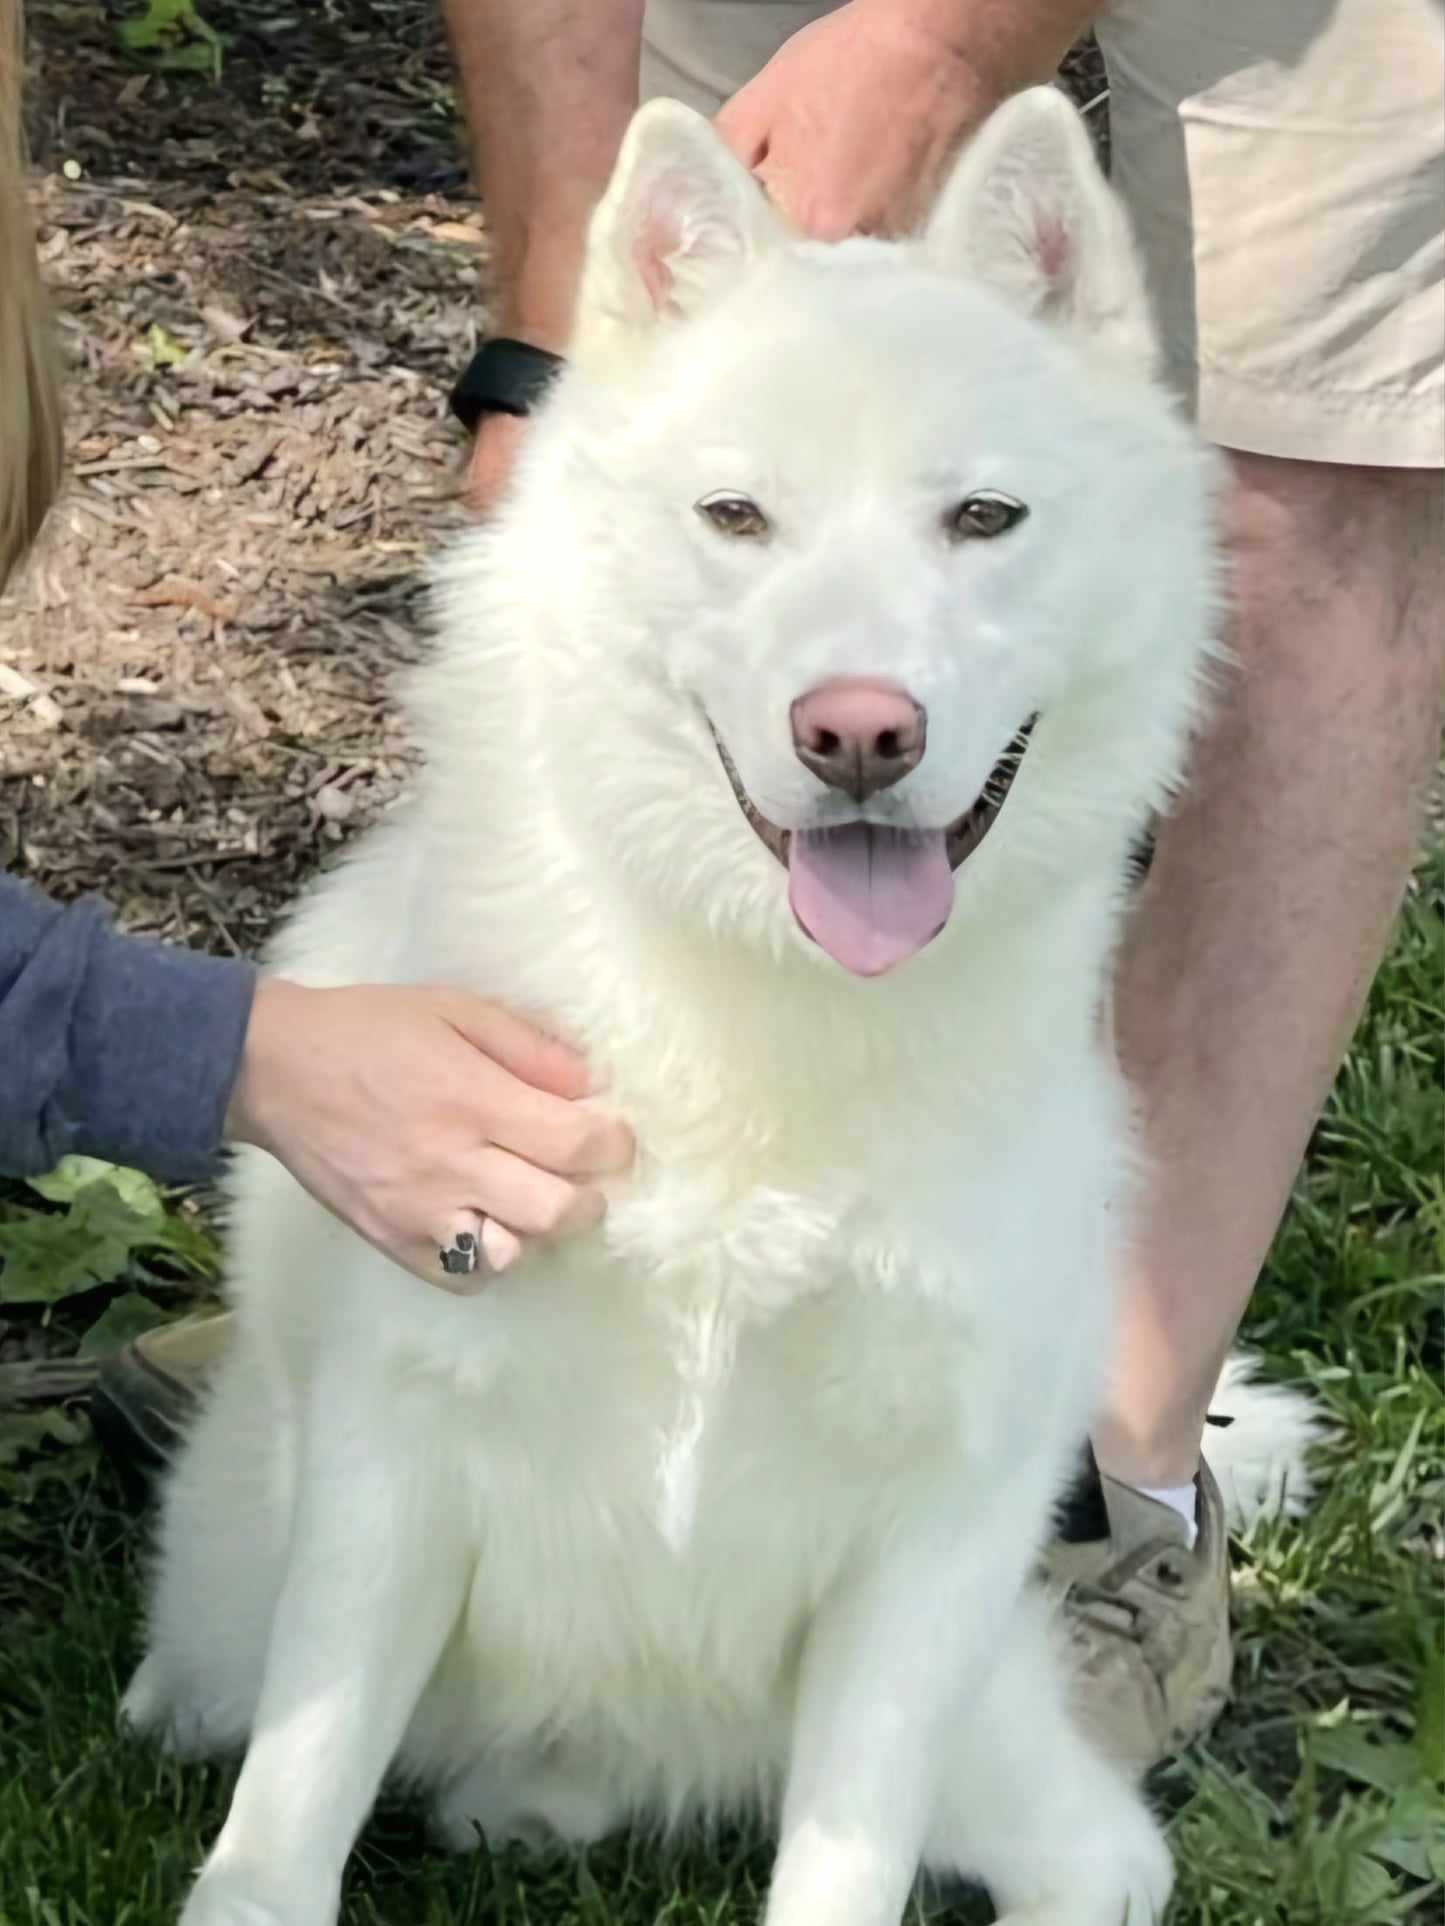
x,y
503,377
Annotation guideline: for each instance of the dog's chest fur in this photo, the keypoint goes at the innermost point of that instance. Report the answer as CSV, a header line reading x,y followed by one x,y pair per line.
x,y
659,1496
842,1250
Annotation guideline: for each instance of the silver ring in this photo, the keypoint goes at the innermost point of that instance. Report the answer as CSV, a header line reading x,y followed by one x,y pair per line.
x,y
460,1258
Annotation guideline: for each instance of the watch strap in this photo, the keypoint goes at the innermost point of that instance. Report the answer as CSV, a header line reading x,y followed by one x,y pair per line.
x,y
504,376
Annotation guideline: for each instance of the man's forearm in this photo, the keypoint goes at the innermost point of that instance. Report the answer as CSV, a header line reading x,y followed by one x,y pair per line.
x,y
548,87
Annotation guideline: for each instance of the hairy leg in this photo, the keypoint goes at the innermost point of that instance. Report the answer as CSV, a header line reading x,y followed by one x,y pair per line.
x,y
1269,905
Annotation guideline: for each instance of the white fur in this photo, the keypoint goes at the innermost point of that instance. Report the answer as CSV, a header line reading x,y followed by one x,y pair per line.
x,y
1260,1460
731,1505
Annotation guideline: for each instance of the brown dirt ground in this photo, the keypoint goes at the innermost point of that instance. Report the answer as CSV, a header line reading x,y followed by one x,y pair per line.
x,y
194,669
263,288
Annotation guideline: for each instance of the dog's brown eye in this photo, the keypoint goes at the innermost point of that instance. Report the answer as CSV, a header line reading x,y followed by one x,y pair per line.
x,y
986,513
733,514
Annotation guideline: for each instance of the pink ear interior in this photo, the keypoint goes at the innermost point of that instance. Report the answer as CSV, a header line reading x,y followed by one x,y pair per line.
x,y
653,247
1054,251
681,231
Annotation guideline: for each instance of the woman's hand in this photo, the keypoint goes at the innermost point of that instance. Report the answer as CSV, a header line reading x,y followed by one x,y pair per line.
x,y
417,1115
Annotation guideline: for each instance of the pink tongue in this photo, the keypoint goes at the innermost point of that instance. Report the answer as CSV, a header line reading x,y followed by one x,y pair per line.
x,y
870,897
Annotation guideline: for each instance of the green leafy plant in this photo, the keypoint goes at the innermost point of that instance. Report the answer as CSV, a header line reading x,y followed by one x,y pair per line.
x,y
172,36
158,348
114,1227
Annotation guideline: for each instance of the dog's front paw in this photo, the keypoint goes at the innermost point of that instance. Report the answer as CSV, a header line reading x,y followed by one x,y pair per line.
x,y
146,1707
152,1709
1135,1895
1120,1874
210,1905
223,1899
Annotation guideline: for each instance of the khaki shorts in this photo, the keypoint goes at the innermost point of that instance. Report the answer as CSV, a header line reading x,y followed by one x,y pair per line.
x,y
1285,168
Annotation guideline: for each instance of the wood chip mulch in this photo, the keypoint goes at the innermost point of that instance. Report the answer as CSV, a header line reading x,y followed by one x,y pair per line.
x,y
260,315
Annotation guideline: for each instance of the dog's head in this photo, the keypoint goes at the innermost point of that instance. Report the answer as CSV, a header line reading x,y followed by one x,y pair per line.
x,y
875,572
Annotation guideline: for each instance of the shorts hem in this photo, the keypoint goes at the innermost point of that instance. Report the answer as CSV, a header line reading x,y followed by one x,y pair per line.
x,y
1347,432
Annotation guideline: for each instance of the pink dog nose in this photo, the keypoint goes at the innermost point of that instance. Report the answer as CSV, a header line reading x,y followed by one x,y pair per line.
x,y
858,735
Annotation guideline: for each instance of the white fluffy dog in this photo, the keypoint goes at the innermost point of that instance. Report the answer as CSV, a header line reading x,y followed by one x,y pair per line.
x,y
787,736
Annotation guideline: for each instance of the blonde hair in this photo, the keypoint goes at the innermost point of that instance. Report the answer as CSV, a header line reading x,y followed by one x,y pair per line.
x,y
30,445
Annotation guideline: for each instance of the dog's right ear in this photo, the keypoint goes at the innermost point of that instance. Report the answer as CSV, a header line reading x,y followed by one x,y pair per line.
x,y
1028,211
681,218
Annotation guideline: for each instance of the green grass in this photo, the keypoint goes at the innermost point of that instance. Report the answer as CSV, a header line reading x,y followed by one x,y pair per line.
x,y
1319,1801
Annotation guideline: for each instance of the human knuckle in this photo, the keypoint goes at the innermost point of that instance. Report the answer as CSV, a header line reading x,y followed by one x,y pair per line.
x,y
558,1207
576,1141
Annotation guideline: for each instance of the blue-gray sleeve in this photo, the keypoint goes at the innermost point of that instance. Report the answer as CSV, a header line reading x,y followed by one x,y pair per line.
x,y
112,1046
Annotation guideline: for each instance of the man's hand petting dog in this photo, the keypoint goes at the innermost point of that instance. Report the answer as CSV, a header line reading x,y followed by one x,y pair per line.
x,y
416,1113
850,129
853,122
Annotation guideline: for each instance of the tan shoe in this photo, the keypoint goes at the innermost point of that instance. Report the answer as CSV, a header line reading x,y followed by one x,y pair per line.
x,y
145,1394
1148,1623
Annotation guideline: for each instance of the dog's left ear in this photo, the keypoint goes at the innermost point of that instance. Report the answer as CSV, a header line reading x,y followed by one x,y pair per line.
x,y
1028,211
681,218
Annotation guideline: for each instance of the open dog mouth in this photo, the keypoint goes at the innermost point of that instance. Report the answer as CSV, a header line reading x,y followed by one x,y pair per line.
x,y
869,895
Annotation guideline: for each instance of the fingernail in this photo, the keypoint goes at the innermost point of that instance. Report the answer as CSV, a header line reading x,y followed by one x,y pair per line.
x,y
465,1241
500,1246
